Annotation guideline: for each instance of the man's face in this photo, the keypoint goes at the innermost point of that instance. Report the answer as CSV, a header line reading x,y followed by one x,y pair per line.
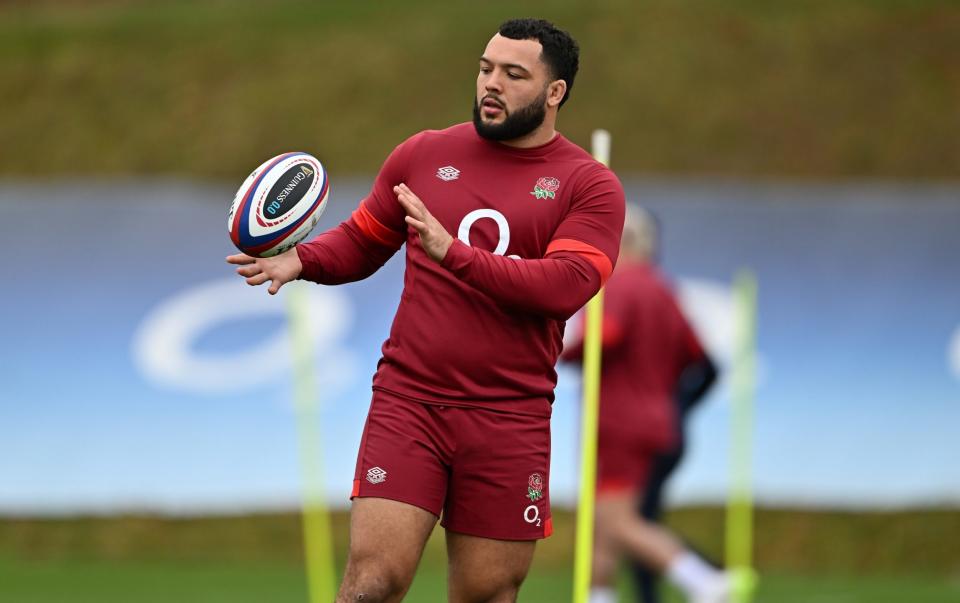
x,y
512,85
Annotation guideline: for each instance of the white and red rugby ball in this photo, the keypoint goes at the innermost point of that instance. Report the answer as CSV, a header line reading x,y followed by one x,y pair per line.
x,y
278,204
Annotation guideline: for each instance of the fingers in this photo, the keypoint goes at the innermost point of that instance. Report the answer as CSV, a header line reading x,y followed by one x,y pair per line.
x,y
410,202
408,205
258,271
240,259
254,274
417,224
249,270
404,190
258,279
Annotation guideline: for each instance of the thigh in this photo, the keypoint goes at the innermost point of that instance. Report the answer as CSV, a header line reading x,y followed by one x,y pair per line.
x,y
623,465
403,453
621,530
613,512
386,541
483,570
499,476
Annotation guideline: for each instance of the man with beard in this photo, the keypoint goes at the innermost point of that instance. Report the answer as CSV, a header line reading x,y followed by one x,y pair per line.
x,y
510,228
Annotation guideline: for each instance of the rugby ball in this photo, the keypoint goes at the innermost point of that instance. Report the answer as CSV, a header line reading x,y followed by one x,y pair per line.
x,y
278,204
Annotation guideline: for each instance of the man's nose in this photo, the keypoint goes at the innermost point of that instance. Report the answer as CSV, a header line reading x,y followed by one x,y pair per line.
x,y
494,83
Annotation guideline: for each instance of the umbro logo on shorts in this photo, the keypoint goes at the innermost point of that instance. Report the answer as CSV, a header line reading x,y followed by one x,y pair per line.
x,y
448,173
375,475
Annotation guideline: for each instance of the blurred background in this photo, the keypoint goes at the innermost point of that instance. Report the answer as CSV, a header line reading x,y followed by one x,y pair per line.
x,y
148,437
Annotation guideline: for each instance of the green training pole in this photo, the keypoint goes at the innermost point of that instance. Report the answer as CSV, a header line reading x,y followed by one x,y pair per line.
x,y
739,534
583,555
318,544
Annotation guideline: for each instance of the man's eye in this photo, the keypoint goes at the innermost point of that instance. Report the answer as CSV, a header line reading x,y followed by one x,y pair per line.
x,y
514,76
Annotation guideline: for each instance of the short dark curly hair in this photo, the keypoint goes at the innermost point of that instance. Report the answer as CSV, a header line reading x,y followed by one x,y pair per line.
x,y
560,51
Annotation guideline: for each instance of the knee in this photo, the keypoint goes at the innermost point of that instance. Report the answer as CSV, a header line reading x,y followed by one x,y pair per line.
x,y
604,565
490,593
494,589
373,580
506,594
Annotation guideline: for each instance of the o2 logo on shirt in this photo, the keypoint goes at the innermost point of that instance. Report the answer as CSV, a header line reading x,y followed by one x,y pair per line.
x,y
463,232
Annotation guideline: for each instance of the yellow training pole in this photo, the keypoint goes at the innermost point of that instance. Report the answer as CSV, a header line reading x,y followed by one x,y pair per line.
x,y
739,534
318,544
583,555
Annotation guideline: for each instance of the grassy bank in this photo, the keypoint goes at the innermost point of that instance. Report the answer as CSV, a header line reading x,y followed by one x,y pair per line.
x,y
848,88
803,556
799,541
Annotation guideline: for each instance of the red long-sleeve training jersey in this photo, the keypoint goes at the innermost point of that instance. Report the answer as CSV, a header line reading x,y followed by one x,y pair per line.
x,y
537,232
647,343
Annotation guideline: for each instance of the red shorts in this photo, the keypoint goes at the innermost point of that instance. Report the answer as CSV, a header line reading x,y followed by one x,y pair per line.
x,y
623,464
486,472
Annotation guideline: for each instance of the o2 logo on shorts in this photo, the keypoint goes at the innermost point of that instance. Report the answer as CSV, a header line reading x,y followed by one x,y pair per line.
x,y
532,515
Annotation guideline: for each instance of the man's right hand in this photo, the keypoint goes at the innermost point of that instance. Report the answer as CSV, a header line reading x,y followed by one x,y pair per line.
x,y
279,269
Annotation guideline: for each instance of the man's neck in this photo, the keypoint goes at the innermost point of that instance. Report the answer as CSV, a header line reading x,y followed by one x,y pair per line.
x,y
541,136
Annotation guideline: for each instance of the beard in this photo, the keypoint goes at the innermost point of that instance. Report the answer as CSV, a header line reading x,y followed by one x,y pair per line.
x,y
516,124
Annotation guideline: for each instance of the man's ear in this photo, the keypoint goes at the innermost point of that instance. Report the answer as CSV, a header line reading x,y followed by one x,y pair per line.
x,y
556,90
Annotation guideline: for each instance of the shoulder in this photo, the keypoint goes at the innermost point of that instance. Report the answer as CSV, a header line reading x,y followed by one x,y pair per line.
x,y
458,133
662,288
588,173
567,150
643,279
415,145
595,174
462,131
650,277
630,273
595,185
437,141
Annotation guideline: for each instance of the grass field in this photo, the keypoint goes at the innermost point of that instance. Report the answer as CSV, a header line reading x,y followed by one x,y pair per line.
x,y
211,582
803,557
824,88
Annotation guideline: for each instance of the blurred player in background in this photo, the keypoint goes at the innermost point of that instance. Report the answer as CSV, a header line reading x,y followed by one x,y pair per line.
x,y
649,354
510,228
695,381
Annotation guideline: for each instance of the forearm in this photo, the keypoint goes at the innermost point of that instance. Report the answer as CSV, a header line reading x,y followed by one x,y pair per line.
x,y
695,381
555,286
342,255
